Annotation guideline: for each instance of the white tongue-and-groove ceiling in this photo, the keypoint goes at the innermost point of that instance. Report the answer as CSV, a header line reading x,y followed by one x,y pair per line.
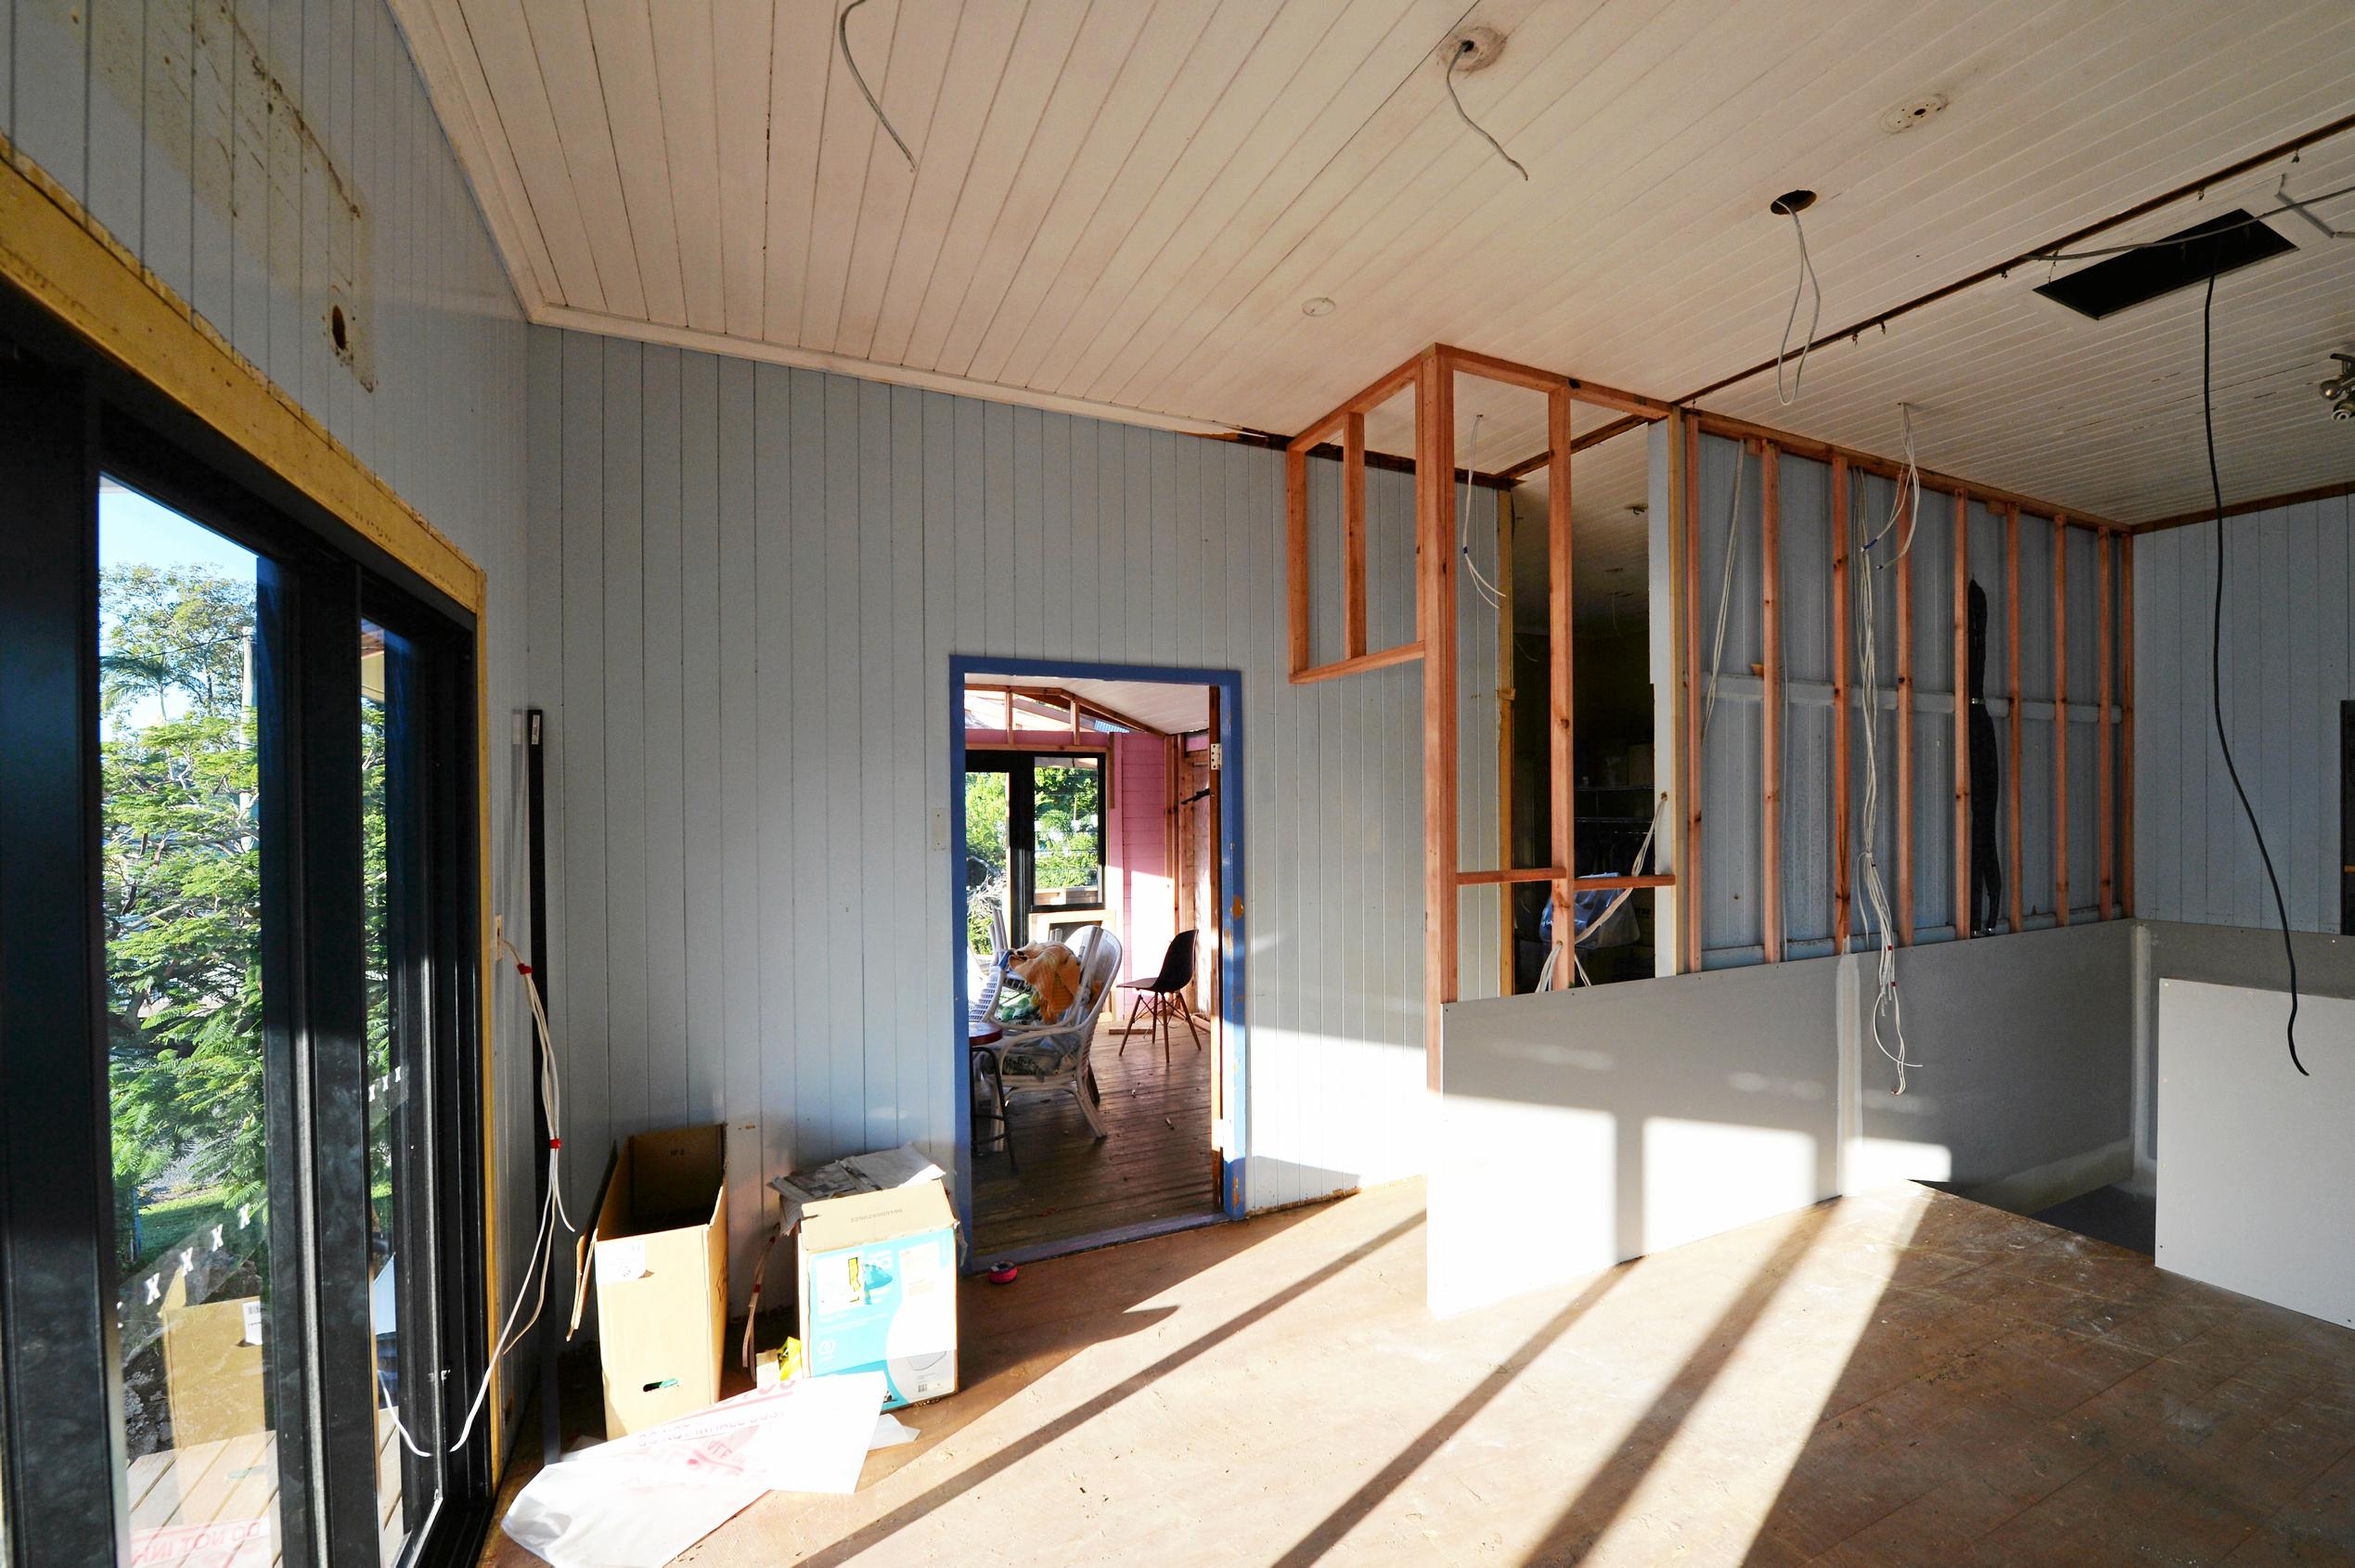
x,y
1121,206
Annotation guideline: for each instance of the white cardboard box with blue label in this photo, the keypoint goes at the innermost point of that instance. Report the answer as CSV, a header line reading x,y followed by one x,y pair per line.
x,y
879,1289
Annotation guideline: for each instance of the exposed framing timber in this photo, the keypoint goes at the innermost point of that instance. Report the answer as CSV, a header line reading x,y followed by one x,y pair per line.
x,y
1518,875
2061,720
1562,776
2013,879
1872,463
1508,695
2104,759
1770,704
2243,509
1435,592
1907,524
1405,653
1689,890
1353,535
1296,556
2126,720
1841,605
1963,900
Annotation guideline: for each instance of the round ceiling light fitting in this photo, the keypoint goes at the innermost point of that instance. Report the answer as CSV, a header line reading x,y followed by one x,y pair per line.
x,y
1790,202
1470,49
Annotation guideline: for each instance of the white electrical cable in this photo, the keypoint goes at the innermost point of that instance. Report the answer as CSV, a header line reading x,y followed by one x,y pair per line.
x,y
1806,283
1905,506
1488,591
1725,591
543,1259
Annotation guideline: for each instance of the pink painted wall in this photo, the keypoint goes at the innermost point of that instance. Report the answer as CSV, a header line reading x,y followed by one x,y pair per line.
x,y
1136,853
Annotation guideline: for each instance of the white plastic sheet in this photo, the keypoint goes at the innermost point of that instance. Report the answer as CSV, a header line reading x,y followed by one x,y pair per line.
x,y
638,1501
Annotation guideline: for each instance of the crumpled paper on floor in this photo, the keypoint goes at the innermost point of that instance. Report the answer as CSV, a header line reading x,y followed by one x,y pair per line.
x,y
641,1501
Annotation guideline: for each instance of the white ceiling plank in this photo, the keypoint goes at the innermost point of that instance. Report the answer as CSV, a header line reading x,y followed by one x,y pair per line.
x,y
985,35
741,45
800,74
1303,254
1267,95
526,122
1225,47
437,38
1105,39
1041,49
559,36
912,89
686,73
1257,189
1168,38
847,167
621,33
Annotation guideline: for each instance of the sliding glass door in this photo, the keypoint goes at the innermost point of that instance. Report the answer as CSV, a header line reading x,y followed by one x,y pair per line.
x,y
242,1311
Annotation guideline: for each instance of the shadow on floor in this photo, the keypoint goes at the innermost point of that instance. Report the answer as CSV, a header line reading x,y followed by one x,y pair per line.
x,y
2113,1214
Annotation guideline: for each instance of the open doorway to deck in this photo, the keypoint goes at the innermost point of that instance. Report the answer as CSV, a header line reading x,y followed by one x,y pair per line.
x,y
1097,838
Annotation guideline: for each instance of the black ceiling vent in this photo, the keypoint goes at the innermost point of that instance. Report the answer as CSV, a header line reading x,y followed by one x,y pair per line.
x,y
2225,243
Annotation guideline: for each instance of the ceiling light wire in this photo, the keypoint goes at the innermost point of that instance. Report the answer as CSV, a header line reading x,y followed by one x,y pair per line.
x,y
842,32
1456,58
1805,284
2216,652
2286,205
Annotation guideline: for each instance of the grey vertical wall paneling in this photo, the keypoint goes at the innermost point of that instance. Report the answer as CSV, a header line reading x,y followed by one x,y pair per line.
x,y
1804,586
878,628
2335,680
935,436
2037,883
50,121
1731,924
750,845
2286,667
585,964
917,1000
117,105
168,144
1932,556
1871,498
211,138
703,849
627,930
248,324
665,556
1031,605
795,1020
2084,719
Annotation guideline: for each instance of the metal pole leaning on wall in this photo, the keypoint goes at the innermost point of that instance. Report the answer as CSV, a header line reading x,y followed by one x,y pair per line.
x,y
535,787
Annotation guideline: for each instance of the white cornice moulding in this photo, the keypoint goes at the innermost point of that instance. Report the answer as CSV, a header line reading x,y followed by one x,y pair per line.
x,y
867,370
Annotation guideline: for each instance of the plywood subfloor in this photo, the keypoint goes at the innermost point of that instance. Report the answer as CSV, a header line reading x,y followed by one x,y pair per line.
x,y
1895,1379
1157,1163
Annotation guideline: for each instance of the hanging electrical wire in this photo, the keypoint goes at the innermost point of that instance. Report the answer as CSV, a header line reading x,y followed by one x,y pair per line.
x,y
1725,591
552,1213
2286,205
1488,591
1905,507
1464,48
2216,657
1806,283
841,33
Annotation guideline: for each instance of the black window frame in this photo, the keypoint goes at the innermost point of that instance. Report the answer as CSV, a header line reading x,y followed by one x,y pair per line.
x,y
68,413
1021,767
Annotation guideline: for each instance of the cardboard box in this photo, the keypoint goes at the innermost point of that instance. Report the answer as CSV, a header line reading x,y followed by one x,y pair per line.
x,y
879,1289
659,1255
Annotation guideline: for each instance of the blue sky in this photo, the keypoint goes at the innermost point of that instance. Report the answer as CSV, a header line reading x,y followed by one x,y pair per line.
x,y
132,529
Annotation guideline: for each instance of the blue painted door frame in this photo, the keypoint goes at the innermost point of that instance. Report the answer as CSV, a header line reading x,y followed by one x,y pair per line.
x,y
1235,1055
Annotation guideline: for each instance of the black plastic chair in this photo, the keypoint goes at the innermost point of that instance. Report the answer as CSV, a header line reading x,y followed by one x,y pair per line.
x,y
1162,998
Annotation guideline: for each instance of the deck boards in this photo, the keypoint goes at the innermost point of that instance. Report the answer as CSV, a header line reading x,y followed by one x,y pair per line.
x,y
217,1502
1156,1164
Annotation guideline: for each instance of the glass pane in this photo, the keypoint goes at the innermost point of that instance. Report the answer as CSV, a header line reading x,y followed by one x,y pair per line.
x,y
988,856
1070,825
397,1030
182,863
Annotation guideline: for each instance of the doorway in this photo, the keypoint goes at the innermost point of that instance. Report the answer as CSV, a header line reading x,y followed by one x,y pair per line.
x,y
1096,826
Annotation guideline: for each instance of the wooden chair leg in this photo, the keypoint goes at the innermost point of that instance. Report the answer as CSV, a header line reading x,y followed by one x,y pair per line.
x,y
1131,1025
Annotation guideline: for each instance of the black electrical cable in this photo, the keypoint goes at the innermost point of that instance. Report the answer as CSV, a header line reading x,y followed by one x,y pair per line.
x,y
2216,655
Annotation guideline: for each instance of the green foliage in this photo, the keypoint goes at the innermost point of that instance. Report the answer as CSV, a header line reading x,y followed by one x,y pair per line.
x,y
181,879
1070,823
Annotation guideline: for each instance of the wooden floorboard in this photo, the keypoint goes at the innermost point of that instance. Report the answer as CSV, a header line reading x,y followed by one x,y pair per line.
x,y
1156,1163
1892,1379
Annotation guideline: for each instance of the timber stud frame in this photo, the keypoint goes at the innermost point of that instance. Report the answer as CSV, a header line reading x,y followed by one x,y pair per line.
x,y
1431,375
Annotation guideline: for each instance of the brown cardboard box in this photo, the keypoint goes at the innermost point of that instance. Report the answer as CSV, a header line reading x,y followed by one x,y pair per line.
x,y
659,1253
